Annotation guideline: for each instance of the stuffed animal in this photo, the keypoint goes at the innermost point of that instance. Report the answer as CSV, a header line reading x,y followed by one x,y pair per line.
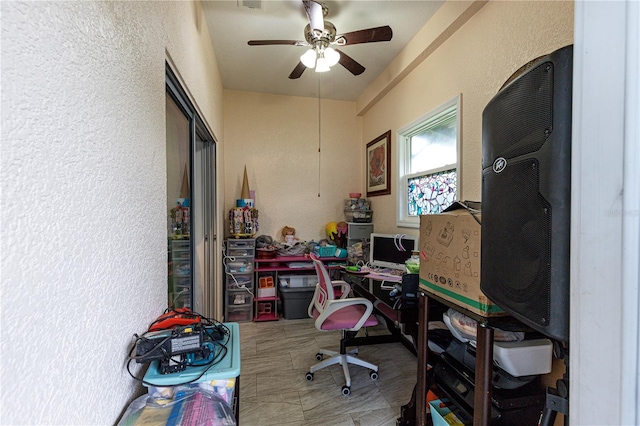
x,y
289,235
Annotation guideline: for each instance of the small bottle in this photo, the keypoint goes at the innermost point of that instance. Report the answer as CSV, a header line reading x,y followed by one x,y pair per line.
x,y
413,263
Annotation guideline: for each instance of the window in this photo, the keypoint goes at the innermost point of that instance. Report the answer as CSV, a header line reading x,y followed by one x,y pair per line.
x,y
428,164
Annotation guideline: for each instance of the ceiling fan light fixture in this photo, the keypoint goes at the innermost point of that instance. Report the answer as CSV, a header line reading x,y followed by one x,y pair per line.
x,y
332,56
308,58
322,65
319,34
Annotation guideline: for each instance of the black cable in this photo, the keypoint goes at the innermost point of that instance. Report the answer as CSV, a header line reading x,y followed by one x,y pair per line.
x,y
223,349
155,348
218,355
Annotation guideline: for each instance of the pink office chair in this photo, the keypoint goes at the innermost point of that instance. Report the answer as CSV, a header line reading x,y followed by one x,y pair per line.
x,y
345,314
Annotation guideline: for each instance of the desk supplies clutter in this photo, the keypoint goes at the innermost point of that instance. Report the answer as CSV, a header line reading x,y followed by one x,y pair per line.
x,y
189,407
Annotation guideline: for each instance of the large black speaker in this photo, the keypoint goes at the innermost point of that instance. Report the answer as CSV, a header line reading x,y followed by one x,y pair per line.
x,y
526,194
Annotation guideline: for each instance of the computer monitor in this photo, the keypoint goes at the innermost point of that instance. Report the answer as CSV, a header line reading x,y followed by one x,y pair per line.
x,y
391,250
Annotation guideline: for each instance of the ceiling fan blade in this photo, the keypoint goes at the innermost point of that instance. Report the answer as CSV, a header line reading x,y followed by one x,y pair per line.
x,y
297,71
315,14
350,64
274,42
366,36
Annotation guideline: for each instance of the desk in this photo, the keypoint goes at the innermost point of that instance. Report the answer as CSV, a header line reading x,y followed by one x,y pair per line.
x,y
400,322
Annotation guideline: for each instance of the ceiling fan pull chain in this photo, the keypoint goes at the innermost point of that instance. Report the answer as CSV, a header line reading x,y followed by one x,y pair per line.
x,y
319,133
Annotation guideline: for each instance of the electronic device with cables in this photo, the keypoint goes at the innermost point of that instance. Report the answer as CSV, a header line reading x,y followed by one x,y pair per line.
x,y
180,338
391,251
179,347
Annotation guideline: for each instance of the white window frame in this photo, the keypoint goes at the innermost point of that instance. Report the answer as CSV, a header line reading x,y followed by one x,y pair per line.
x,y
403,138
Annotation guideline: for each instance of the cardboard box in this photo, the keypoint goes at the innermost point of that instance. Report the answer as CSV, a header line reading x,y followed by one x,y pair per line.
x,y
450,258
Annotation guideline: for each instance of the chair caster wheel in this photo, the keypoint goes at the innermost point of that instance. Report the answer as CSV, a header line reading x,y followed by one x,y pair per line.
x,y
319,356
373,375
346,390
309,377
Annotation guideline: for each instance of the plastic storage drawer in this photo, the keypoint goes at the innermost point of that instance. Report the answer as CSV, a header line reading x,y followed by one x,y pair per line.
x,y
359,231
240,252
240,313
240,244
238,298
235,281
240,265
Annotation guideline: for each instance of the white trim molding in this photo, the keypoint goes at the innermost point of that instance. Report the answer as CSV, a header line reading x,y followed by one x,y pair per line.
x,y
605,222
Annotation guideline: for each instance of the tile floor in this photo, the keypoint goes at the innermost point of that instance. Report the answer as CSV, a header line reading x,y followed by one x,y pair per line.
x,y
273,390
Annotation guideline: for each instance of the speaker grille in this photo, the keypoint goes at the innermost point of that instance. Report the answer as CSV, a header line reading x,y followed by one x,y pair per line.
x,y
520,118
517,219
526,194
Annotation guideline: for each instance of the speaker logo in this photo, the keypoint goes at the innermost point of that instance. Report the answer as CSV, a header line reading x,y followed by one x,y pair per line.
x,y
499,165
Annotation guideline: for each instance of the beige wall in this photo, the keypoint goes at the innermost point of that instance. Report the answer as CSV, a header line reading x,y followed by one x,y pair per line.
x,y
474,61
277,138
84,260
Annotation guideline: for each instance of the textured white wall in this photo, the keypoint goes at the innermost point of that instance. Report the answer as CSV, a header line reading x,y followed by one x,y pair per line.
x,y
276,137
474,61
83,195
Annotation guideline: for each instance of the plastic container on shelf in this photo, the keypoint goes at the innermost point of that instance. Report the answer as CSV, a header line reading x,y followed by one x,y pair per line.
x,y
325,251
357,204
358,216
266,287
358,210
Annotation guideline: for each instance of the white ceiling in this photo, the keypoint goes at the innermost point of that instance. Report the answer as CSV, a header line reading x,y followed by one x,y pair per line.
x,y
266,69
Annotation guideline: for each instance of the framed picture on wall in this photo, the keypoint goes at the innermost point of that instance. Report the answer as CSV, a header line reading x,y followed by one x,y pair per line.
x,y
379,165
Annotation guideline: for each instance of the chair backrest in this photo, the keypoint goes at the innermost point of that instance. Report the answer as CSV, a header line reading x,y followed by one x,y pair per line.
x,y
324,290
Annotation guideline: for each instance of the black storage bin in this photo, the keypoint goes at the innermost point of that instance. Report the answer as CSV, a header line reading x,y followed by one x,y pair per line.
x,y
295,301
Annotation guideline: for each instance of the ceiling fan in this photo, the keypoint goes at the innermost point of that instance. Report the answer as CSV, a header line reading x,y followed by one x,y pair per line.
x,y
320,35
